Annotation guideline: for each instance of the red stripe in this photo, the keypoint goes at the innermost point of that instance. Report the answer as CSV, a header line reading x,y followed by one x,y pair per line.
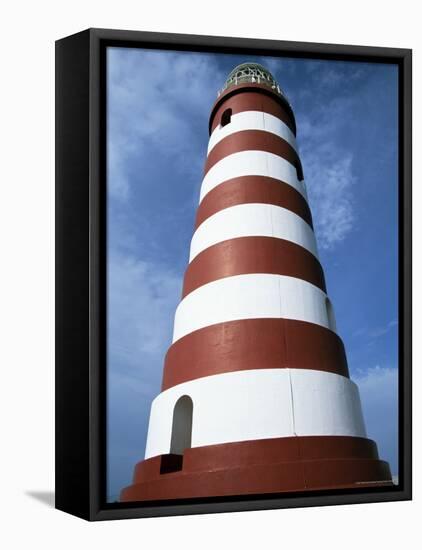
x,y
253,255
253,344
254,140
251,98
252,189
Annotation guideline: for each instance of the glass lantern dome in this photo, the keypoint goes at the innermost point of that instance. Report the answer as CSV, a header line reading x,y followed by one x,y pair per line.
x,y
254,73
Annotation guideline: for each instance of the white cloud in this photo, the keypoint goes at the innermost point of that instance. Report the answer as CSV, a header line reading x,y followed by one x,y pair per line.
x,y
328,171
156,100
142,300
372,334
329,183
381,331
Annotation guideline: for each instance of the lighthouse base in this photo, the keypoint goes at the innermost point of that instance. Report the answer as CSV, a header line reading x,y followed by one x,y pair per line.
x,y
260,466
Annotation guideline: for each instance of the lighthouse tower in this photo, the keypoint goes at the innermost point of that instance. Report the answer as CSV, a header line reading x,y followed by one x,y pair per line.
x,y
256,395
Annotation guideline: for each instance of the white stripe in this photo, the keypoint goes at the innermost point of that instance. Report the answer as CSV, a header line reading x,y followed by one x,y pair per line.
x,y
251,163
258,404
251,296
253,220
253,120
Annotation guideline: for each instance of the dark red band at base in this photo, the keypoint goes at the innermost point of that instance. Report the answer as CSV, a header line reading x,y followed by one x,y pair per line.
x,y
260,466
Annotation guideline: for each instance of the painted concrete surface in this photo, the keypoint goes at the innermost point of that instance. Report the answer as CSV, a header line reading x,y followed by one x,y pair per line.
x,y
253,220
252,163
253,120
251,296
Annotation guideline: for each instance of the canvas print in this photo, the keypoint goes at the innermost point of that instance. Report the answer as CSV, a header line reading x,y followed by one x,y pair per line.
x,y
252,275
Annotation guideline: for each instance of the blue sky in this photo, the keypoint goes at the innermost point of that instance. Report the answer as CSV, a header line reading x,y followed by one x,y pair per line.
x,y
158,108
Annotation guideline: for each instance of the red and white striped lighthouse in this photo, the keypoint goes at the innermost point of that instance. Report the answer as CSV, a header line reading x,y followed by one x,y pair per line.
x,y
256,394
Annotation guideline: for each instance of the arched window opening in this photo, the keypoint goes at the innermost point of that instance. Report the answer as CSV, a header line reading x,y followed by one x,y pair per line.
x,y
181,432
181,435
330,315
226,117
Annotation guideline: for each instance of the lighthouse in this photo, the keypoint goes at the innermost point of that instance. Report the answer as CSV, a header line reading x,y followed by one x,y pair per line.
x,y
256,396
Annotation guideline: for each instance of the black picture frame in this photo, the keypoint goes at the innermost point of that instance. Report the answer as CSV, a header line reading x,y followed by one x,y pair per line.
x,y
81,275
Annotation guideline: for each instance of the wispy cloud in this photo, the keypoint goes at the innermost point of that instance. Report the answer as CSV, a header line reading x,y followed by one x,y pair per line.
x,y
328,169
330,179
381,331
155,104
373,333
140,290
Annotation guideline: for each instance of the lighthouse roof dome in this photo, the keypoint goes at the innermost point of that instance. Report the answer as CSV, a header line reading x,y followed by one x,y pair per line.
x,y
254,73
